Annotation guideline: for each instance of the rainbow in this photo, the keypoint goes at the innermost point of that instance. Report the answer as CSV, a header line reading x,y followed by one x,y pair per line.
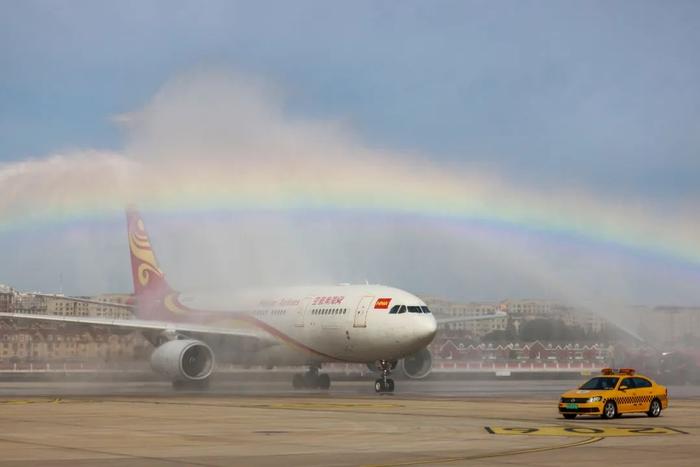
x,y
375,188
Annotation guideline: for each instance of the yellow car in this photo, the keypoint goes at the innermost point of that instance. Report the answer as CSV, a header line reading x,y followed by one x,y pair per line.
x,y
613,393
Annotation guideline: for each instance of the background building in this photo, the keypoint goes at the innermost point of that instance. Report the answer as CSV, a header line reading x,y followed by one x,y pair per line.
x,y
7,298
488,321
24,343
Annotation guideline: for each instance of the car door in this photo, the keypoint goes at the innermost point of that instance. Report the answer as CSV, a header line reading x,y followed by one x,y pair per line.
x,y
644,392
627,397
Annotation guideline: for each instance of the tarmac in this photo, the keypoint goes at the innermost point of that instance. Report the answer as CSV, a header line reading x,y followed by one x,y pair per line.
x,y
476,423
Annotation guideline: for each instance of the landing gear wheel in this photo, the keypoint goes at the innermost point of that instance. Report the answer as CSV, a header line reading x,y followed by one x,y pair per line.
x,y
609,410
385,384
654,408
180,385
569,416
311,380
389,385
324,381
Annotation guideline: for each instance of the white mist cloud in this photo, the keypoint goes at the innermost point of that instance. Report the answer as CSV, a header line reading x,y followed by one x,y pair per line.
x,y
214,133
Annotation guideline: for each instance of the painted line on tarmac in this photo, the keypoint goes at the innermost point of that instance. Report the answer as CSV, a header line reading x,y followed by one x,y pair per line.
x,y
446,460
324,405
608,431
113,455
57,400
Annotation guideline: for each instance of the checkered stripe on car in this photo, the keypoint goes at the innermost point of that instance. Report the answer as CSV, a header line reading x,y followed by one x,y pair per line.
x,y
635,399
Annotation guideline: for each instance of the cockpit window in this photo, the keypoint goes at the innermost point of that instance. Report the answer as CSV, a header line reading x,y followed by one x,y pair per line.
x,y
398,309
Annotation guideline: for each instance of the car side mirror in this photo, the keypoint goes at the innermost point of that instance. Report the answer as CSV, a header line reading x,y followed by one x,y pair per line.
x,y
622,388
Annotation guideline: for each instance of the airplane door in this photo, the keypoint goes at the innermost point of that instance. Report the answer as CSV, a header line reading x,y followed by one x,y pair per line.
x,y
361,312
301,310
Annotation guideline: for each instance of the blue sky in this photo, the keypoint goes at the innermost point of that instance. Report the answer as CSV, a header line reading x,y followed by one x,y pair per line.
x,y
599,94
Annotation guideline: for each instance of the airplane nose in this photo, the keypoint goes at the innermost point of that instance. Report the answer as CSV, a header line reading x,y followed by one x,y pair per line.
x,y
427,329
432,327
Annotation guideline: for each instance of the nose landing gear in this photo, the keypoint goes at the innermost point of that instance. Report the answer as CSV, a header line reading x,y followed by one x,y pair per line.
x,y
312,379
385,384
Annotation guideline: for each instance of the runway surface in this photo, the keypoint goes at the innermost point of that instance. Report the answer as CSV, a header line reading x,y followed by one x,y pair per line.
x,y
425,423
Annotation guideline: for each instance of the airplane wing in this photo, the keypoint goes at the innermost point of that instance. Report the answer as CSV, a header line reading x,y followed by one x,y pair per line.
x,y
460,319
191,329
85,300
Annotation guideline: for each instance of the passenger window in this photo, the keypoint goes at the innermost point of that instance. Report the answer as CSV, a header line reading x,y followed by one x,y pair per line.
x,y
642,383
629,382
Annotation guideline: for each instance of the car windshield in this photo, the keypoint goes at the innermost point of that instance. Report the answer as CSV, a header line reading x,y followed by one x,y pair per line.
x,y
600,382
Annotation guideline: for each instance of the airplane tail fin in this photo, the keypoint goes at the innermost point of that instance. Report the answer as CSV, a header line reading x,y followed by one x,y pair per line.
x,y
149,280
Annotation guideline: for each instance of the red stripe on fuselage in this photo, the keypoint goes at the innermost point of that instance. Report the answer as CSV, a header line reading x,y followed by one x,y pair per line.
x,y
192,315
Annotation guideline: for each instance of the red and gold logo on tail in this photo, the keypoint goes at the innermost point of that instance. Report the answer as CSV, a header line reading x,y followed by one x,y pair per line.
x,y
146,273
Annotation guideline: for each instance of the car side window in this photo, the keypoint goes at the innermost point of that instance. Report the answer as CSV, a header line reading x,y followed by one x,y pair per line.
x,y
642,383
629,382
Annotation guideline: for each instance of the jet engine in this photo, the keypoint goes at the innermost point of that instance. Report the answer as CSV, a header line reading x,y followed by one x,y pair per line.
x,y
186,360
418,365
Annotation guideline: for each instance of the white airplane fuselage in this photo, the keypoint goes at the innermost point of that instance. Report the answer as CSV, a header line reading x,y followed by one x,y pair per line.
x,y
313,325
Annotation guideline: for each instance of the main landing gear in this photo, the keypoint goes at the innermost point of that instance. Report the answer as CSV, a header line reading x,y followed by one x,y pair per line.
x,y
312,379
385,384
201,385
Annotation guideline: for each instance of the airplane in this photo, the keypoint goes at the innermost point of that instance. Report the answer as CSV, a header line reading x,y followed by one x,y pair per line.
x,y
306,326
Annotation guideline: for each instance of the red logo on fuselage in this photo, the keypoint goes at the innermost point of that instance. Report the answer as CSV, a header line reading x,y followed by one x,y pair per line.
x,y
382,303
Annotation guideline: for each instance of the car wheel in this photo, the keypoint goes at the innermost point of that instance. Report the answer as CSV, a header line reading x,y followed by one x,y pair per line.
x,y
609,410
569,416
654,408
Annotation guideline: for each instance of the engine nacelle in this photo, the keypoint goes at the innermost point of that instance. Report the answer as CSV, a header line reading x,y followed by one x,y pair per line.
x,y
418,365
183,360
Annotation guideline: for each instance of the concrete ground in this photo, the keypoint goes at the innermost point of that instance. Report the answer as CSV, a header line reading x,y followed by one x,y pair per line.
x,y
248,424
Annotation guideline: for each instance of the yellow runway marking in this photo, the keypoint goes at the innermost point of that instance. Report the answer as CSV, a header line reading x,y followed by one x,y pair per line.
x,y
583,431
446,460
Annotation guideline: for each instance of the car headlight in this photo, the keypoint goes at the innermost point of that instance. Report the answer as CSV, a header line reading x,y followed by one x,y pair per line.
x,y
595,399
